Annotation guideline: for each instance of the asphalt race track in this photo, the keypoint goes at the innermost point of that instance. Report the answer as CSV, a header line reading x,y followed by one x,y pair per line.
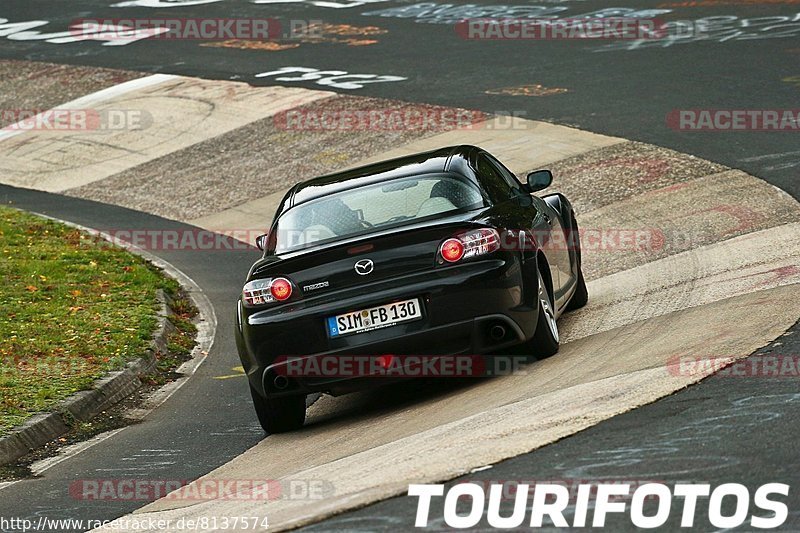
x,y
744,64
712,432
718,279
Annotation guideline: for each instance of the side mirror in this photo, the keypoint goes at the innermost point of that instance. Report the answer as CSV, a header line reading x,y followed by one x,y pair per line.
x,y
261,241
539,179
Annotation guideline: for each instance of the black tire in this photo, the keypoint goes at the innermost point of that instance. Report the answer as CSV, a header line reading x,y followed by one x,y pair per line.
x,y
544,343
581,295
278,415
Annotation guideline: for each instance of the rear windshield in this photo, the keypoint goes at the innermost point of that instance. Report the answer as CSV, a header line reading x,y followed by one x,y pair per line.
x,y
377,206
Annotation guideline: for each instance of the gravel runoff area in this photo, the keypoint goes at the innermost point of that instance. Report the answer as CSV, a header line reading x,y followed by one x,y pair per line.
x,y
253,161
680,201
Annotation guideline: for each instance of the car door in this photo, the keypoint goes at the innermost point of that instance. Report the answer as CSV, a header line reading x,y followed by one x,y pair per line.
x,y
547,224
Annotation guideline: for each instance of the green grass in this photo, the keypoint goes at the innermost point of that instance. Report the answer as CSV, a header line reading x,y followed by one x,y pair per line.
x,y
72,308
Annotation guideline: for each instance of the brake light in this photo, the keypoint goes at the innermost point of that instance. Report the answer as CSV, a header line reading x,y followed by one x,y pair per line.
x,y
281,289
385,361
470,244
263,291
452,250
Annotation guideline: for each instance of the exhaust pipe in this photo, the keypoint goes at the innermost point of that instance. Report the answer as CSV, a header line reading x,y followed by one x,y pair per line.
x,y
497,332
280,382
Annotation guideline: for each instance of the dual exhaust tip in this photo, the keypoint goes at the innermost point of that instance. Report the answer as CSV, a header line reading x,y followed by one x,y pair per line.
x,y
497,332
280,382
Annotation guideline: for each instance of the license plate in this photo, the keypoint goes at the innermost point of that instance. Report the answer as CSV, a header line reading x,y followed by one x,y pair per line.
x,y
381,316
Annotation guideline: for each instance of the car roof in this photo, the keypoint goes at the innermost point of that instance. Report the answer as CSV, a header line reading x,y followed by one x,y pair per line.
x,y
449,159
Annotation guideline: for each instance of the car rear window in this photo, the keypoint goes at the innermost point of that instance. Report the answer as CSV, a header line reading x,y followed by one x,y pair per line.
x,y
378,206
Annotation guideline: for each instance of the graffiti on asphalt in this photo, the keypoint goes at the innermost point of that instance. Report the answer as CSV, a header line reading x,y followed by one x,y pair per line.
x,y
717,29
162,3
179,3
338,79
112,35
434,13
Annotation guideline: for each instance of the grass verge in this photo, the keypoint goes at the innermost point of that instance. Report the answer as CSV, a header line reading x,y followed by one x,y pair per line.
x,y
72,308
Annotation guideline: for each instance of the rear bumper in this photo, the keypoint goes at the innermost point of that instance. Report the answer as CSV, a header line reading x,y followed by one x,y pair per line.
x,y
460,305
471,337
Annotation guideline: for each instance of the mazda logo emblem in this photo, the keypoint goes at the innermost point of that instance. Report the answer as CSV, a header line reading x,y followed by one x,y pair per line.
x,y
364,267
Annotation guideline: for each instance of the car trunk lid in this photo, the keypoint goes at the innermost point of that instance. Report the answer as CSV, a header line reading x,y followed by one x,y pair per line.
x,y
361,261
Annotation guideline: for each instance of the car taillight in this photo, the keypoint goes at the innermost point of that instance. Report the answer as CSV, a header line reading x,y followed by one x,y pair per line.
x,y
452,250
281,289
262,291
470,244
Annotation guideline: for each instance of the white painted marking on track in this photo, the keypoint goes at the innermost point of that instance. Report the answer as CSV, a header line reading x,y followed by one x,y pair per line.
x,y
39,467
778,161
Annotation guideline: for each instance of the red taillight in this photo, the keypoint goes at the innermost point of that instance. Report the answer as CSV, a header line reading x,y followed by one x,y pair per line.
x,y
264,291
385,361
470,244
452,250
280,288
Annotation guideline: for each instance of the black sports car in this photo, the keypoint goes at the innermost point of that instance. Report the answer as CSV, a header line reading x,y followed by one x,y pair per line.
x,y
434,254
